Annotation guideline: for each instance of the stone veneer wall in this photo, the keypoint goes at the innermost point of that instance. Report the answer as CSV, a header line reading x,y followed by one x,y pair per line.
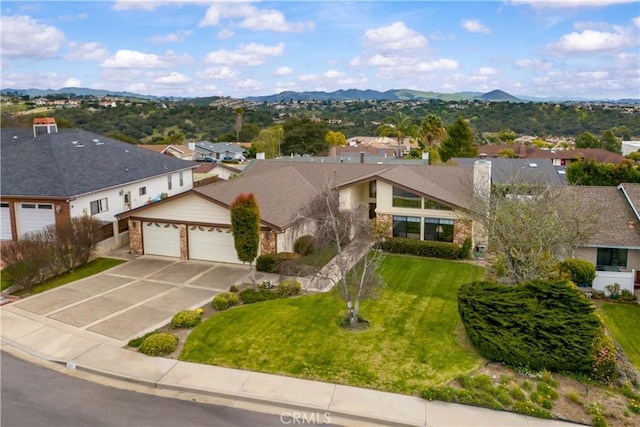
x,y
462,228
184,241
267,242
384,226
135,237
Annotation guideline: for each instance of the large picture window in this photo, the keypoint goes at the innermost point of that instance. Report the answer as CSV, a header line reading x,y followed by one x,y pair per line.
x,y
98,206
438,229
430,204
406,226
612,258
406,199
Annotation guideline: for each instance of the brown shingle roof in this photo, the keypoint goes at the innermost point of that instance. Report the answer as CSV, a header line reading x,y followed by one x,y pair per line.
x,y
632,193
533,152
617,225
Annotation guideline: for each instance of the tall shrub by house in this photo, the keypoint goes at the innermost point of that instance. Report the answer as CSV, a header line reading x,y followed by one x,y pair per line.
x,y
245,226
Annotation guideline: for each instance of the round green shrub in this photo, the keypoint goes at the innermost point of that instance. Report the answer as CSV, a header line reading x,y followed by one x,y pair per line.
x,y
580,272
186,319
159,344
224,300
289,288
303,245
233,288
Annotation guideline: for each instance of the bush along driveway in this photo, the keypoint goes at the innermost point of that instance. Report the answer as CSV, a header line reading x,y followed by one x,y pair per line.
x,y
415,336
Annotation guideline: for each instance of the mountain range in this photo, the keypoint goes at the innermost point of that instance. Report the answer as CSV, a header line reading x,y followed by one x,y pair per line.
x,y
339,95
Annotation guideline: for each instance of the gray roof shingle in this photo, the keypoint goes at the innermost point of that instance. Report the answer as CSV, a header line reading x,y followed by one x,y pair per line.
x,y
73,162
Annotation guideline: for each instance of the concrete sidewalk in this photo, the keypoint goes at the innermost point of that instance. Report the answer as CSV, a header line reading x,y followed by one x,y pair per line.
x,y
84,350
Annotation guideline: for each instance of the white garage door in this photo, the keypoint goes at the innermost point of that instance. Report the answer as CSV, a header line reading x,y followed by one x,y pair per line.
x,y
34,217
161,239
5,222
212,244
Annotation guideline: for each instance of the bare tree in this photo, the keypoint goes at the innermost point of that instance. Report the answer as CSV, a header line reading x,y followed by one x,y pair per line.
x,y
530,225
354,268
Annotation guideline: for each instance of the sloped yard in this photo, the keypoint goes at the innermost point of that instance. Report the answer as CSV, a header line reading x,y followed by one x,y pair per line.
x,y
415,339
622,320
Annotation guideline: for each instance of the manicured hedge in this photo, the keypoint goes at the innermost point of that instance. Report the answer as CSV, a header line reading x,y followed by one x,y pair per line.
x,y
271,263
398,245
186,319
159,344
580,271
303,245
224,300
535,325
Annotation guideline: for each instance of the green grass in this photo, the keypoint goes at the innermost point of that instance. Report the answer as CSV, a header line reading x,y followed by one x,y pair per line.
x,y
96,266
415,337
320,257
5,282
623,320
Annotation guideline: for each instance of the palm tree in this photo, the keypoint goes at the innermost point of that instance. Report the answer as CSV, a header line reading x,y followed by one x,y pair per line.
x,y
399,126
431,131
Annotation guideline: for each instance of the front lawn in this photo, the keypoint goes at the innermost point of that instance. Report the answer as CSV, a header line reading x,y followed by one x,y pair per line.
x,y
623,320
96,266
415,339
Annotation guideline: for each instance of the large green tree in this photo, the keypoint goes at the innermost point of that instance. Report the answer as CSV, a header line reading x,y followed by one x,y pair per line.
x,y
302,136
335,138
590,172
245,226
268,141
399,126
610,142
432,131
459,141
587,140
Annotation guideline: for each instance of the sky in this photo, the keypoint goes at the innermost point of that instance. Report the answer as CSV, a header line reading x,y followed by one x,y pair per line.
x,y
544,48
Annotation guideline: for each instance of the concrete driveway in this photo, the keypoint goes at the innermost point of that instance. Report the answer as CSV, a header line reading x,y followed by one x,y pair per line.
x,y
135,297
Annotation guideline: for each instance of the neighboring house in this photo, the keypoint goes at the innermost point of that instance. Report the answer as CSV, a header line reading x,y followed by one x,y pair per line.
x,y
615,246
505,171
557,157
221,170
179,151
629,147
217,150
414,201
389,146
56,175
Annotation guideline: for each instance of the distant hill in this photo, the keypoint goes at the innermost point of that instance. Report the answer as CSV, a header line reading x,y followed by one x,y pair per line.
x,y
374,95
499,95
78,91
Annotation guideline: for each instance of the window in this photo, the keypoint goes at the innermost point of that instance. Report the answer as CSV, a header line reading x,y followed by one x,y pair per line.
x,y
611,257
405,199
372,189
28,206
142,191
45,206
430,204
98,206
169,183
181,179
406,226
438,229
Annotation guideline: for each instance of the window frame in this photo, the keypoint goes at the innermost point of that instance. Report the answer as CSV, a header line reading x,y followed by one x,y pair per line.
x,y
142,191
169,182
613,254
441,229
99,206
408,199
181,179
400,228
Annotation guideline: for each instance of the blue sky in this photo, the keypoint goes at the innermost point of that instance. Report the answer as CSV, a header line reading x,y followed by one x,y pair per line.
x,y
542,48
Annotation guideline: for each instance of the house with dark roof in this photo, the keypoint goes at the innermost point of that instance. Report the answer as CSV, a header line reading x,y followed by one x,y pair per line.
x,y
217,150
49,175
414,201
614,248
557,157
179,151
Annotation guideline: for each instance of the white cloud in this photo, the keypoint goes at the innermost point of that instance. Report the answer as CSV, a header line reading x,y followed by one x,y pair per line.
x,y
437,65
248,84
283,71
225,34
394,37
251,54
134,59
588,41
252,18
535,64
488,71
23,36
381,61
560,4
475,26
218,73
151,5
636,21
86,52
593,74
171,79
178,36
72,83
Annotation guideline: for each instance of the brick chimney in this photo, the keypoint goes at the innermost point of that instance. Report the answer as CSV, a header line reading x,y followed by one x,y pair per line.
x,y
43,125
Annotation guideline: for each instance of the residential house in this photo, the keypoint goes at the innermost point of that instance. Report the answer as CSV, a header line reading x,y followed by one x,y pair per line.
x,y
217,150
505,171
224,171
50,175
629,147
414,201
614,248
179,151
557,157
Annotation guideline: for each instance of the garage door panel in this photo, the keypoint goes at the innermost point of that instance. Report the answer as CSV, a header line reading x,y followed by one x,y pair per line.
x,y
34,217
161,239
212,244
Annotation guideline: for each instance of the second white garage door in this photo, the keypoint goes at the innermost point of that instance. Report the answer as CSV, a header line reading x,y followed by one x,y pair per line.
x,y
212,244
161,239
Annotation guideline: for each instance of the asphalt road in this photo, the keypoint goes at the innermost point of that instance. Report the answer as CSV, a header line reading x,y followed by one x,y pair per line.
x,y
32,396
